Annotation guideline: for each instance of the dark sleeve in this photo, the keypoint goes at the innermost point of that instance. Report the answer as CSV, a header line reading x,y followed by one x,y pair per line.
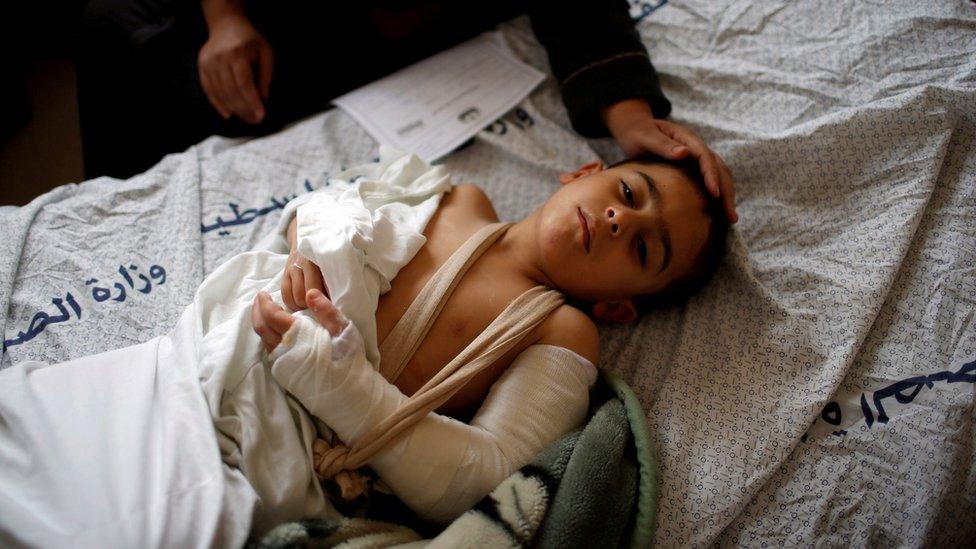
x,y
597,58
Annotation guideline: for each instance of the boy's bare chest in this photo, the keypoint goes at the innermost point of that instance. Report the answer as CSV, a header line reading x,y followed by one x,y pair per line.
x,y
480,296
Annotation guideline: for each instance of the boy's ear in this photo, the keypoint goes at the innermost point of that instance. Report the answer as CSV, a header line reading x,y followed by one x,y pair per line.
x,y
618,312
583,171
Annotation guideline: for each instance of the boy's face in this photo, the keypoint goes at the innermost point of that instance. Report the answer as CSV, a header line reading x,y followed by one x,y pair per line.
x,y
612,234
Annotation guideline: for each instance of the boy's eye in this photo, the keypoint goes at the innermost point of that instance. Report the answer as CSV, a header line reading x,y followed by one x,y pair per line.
x,y
628,194
642,251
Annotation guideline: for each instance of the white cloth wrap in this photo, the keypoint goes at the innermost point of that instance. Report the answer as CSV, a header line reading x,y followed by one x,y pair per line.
x,y
373,228
440,467
360,238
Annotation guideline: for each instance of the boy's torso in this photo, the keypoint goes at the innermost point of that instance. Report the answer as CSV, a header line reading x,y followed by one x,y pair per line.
x,y
481,295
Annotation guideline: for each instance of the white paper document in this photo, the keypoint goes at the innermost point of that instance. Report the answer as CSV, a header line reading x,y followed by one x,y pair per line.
x,y
433,106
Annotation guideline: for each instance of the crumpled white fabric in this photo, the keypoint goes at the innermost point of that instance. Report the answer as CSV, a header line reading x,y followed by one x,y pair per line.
x,y
374,227
146,445
362,237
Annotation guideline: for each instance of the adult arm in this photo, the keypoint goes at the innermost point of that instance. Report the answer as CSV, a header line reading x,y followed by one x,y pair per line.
x,y
597,57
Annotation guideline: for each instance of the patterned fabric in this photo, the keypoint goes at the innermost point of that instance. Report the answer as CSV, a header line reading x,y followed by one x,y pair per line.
x,y
820,388
850,127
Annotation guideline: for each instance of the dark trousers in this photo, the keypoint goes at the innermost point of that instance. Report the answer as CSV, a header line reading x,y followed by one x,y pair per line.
x,y
140,96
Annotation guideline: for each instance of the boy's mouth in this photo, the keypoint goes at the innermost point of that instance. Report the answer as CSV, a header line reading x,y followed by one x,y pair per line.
x,y
584,226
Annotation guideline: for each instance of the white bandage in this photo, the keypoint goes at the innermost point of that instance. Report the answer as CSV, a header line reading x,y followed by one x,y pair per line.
x,y
441,467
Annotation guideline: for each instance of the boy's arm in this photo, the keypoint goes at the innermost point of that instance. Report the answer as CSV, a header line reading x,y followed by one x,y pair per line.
x,y
440,467
292,234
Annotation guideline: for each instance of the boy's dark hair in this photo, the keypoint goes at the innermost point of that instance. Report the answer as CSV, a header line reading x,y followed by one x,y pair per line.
x,y
712,251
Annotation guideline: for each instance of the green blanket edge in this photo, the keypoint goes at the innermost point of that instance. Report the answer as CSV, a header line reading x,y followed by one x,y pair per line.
x,y
645,520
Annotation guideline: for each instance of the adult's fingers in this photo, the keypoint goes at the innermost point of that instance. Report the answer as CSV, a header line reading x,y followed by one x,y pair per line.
x,y
710,171
208,90
219,87
663,145
699,150
244,79
231,95
728,191
326,313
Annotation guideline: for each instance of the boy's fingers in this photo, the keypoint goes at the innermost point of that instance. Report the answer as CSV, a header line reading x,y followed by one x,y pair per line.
x,y
268,337
286,293
313,278
326,313
256,319
274,316
298,288
280,321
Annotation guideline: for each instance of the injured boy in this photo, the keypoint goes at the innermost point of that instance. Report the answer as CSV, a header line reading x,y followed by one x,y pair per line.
x,y
414,307
608,235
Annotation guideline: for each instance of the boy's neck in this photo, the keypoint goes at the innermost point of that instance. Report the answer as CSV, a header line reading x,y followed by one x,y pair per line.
x,y
518,249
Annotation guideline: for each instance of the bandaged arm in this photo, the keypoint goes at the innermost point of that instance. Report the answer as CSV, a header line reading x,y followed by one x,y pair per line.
x,y
440,467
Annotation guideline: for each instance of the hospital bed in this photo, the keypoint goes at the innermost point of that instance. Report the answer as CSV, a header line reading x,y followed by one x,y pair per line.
x,y
821,388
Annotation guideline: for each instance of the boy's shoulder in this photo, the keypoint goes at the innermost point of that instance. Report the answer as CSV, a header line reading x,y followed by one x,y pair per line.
x,y
471,200
571,328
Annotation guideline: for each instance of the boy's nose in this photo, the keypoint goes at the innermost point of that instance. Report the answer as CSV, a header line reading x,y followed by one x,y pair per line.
x,y
613,220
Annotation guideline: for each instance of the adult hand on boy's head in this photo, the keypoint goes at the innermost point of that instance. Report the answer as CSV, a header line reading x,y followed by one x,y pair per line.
x,y
226,64
636,130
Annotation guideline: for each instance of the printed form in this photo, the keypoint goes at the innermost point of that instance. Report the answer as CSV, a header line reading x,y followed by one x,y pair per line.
x,y
435,105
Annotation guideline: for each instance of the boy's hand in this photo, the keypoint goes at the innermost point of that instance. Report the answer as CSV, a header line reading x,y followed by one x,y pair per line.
x,y
301,275
636,130
271,321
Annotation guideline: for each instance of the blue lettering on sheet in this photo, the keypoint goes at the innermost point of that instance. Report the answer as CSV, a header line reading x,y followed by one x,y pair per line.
x,y
41,320
831,413
903,391
640,9
243,217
